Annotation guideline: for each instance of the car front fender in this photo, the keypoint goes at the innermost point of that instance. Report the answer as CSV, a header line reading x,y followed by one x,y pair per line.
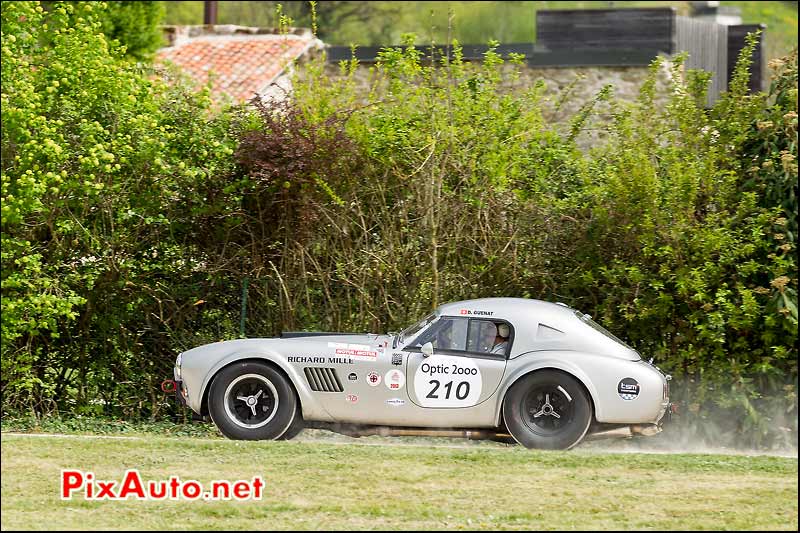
x,y
201,364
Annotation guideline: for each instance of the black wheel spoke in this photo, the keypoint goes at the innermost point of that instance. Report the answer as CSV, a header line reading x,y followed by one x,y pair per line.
x,y
546,409
251,401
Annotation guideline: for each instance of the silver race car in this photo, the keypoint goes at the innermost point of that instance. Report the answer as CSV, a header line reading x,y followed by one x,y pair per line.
x,y
508,369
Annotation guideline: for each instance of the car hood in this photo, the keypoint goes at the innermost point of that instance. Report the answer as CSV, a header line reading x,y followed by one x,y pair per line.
x,y
352,338
276,343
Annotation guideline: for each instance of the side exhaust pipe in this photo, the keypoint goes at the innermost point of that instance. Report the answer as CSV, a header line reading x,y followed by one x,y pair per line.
x,y
617,433
645,430
383,431
635,430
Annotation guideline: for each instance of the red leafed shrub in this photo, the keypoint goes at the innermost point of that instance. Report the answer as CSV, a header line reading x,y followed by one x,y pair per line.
x,y
294,165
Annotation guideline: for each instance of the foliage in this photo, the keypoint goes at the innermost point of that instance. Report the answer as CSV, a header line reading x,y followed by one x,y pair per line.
x,y
104,170
104,425
362,203
771,149
780,19
370,21
473,22
462,190
135,25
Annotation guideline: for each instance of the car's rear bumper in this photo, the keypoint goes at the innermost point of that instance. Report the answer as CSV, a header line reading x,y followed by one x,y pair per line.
x,y
669,414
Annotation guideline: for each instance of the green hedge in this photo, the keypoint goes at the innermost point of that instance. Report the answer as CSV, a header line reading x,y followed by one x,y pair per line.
x,y
104,169
132,214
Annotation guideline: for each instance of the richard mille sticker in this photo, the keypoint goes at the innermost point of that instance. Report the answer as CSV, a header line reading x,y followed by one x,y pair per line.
x,y
628,389
394,379
374,379
443,381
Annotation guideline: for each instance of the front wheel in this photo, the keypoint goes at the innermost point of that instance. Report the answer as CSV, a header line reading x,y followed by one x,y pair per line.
x,y
548,410
252,401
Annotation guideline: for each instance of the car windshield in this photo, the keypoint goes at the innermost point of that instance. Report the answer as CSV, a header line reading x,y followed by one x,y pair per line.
x,y
588,320
409,332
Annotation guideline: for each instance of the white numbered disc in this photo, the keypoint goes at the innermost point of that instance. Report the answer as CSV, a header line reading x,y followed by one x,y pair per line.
x,y
444,381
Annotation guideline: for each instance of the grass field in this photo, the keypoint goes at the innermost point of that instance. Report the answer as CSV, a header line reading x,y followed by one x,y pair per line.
x,y
329,484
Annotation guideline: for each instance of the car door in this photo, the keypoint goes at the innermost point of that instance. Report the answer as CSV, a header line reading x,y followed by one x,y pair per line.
x,y
462,372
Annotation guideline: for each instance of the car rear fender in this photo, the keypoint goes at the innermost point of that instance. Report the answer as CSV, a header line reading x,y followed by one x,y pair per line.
x,y
530,362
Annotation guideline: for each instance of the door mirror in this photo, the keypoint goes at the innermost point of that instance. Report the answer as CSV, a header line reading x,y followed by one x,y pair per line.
x,y
427,349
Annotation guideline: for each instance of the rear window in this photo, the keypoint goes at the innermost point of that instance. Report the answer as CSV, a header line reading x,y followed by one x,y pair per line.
x,y
588,320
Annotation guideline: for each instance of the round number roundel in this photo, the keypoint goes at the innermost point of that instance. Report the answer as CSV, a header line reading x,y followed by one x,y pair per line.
x,y
443,381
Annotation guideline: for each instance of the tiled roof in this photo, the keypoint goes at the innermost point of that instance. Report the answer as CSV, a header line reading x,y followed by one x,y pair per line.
x,y
240,66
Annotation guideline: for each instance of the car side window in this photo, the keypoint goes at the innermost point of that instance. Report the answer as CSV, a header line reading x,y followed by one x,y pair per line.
x,y
469,335
448,334
486,336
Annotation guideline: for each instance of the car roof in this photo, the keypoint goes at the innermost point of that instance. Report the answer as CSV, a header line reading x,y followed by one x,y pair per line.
x,y
503,307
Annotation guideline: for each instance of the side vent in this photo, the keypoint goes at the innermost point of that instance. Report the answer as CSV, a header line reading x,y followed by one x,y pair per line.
x,y
323,379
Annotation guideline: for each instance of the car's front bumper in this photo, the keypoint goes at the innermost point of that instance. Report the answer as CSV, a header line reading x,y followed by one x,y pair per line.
x,y
176,387
180,393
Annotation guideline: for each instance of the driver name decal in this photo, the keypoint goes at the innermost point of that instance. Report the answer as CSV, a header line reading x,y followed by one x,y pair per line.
x,y
475,312
444,381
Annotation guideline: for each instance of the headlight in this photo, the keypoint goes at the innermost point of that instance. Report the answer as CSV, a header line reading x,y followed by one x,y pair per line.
x,y
178,366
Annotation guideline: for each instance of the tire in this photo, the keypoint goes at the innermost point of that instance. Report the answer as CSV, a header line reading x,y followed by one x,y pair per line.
x,y
252,401
547,410
297,425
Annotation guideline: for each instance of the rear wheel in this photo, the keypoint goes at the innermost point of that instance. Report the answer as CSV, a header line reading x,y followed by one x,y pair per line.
x,y
252,401
547,410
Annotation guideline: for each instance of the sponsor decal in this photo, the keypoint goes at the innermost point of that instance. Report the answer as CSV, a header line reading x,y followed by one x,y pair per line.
x,y
351,398
352,376
302,359
444,381
396,402
394,379
628,389
374,379
358,354
397,359
319,360
475,312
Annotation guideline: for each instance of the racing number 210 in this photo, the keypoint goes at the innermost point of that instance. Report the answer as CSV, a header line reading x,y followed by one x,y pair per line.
x,y
462,389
